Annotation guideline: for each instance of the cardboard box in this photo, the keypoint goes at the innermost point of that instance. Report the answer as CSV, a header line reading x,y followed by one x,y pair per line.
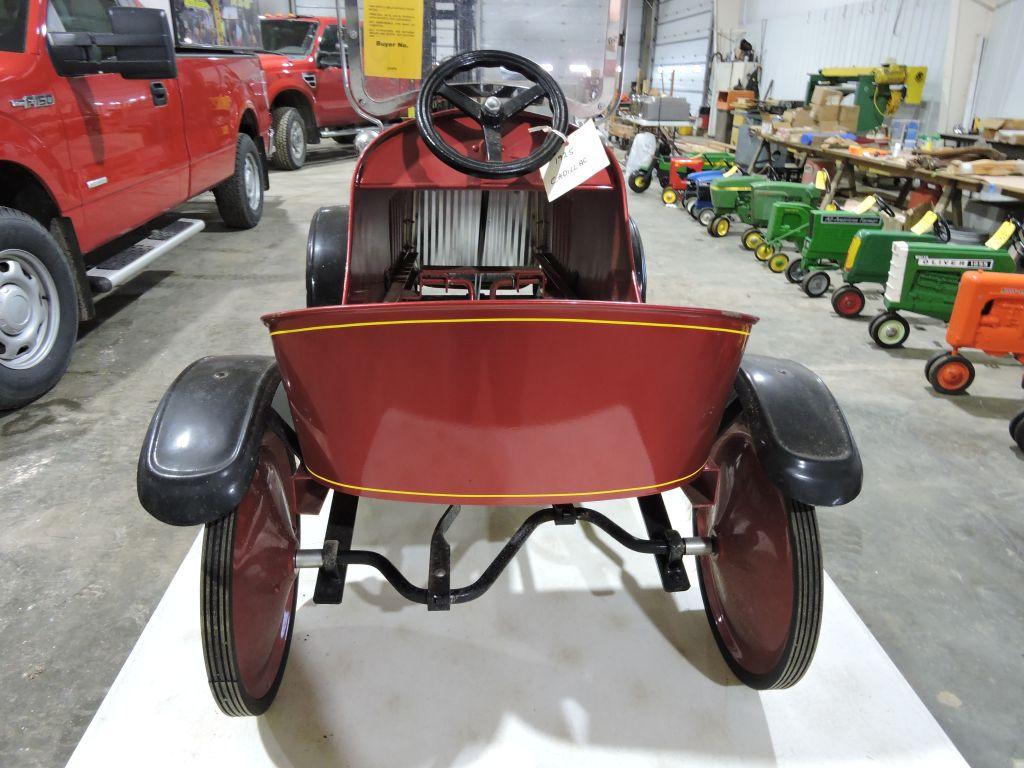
x,y
801,117
1010,136
825,113
988,127
849,114
830,126
824,95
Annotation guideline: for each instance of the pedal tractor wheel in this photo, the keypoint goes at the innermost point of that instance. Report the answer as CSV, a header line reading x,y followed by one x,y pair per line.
x,y
719,226
795,271
669,196
764,251
1017,429
778,263
762,588
249,586
689,205
932,361
639,181
705,217
950,374
752,238
815,284
889,330
848,301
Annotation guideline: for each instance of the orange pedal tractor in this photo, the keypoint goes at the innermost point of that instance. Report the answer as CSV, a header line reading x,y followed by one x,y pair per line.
x,y
988,314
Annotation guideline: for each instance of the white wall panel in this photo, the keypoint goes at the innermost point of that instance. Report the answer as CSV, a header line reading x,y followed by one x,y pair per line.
x,y
792,45
681,47
1001,78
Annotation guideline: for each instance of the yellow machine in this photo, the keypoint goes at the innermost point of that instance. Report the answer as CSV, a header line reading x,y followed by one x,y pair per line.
x,y
878,91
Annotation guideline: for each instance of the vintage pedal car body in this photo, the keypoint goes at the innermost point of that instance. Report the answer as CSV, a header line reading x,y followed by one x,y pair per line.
x,y
467,342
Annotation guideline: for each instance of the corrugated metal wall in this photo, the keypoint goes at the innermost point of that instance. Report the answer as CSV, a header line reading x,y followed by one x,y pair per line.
x,y
681,47
912,32
1001,79
316,7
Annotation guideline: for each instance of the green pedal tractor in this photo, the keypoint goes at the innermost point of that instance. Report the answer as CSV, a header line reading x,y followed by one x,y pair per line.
x,y
924,278
750,199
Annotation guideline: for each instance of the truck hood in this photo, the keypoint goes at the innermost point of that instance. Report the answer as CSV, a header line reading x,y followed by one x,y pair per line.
x,y
276,64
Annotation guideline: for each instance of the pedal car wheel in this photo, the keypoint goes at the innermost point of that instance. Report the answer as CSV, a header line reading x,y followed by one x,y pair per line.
x,y
848,301
763,252
762,588
778,262
932,361
1017,429
719,226
752,238
639,181
705,217
669,196
889,330
249,586
795,271
689,203
815,284
950,374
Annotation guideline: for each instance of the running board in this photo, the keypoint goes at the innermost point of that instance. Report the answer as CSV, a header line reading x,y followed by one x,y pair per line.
x,y
123,266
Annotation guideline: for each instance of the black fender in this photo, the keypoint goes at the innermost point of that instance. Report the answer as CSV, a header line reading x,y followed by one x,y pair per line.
x,y
327,256
801,436
203,442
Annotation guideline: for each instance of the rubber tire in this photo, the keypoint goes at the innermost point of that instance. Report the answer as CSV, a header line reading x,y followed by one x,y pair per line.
x,y
932,361
935,365
842,291
215,625
795,271
705,220
639,258
327,256
814,279
230,194
669,196
713,227
1017,429
20,387
875,324
778,263
751,235
636,176
808,602
689,203
284,118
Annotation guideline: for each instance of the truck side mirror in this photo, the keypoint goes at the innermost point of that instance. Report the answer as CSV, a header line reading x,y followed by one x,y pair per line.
x,y
326,59
139,47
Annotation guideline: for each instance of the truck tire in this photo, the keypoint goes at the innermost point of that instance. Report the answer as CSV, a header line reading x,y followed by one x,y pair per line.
x,y
289,139
38,310
240,198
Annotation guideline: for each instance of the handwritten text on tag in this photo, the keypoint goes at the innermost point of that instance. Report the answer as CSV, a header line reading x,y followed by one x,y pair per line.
x,y
582,156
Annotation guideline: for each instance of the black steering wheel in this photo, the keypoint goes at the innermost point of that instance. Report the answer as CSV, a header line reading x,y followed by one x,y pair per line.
x,y
941,229
492,114
884,207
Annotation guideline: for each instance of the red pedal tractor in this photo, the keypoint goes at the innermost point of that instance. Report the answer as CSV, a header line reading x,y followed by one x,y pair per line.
x,y
988,315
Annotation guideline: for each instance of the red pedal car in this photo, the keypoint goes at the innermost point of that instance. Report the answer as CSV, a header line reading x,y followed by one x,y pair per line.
x,y
466,342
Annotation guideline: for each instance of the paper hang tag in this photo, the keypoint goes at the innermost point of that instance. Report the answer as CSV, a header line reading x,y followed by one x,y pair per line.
x,y
865,205
731,172
925,223
821,180
1001,236
581,157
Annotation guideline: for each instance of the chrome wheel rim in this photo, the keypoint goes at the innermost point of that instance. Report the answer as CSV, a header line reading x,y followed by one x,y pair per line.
x,y
296,140
29,310
252,182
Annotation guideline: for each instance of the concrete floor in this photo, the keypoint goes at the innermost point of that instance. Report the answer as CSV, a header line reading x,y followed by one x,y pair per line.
x,y
930,555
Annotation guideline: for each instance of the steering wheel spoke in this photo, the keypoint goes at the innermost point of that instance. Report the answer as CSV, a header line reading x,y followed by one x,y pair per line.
x,y
521,101
492,143
463,102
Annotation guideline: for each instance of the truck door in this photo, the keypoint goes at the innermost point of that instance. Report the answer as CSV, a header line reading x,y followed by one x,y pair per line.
x,y
333,109
125,137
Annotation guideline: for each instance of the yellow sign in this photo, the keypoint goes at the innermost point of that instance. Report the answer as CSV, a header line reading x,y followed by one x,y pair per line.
x,y
925,223
393,39
1001,236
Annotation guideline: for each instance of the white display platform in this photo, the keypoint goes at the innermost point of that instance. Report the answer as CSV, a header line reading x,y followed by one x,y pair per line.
x,y
576,657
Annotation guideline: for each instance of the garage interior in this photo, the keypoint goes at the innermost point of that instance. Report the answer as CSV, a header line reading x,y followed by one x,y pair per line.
x,y
923,609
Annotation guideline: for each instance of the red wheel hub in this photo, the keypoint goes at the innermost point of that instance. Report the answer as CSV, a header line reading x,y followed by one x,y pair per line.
x,y
953,375
849,303
748,583
263,570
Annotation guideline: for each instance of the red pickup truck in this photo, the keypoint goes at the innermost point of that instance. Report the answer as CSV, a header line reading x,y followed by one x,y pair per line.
x,y
105,125
305,84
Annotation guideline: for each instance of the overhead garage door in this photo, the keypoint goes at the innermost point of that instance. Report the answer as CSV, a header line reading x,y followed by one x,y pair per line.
x,y
681,38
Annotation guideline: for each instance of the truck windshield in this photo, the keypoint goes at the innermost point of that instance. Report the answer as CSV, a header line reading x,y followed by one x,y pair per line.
x,y
12,25
290,38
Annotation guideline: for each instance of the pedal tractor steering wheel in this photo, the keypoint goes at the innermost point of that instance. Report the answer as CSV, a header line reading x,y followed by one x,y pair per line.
x,y
492,114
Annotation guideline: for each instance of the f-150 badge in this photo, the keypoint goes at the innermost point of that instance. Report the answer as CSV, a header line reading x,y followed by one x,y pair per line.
x,y
36,100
